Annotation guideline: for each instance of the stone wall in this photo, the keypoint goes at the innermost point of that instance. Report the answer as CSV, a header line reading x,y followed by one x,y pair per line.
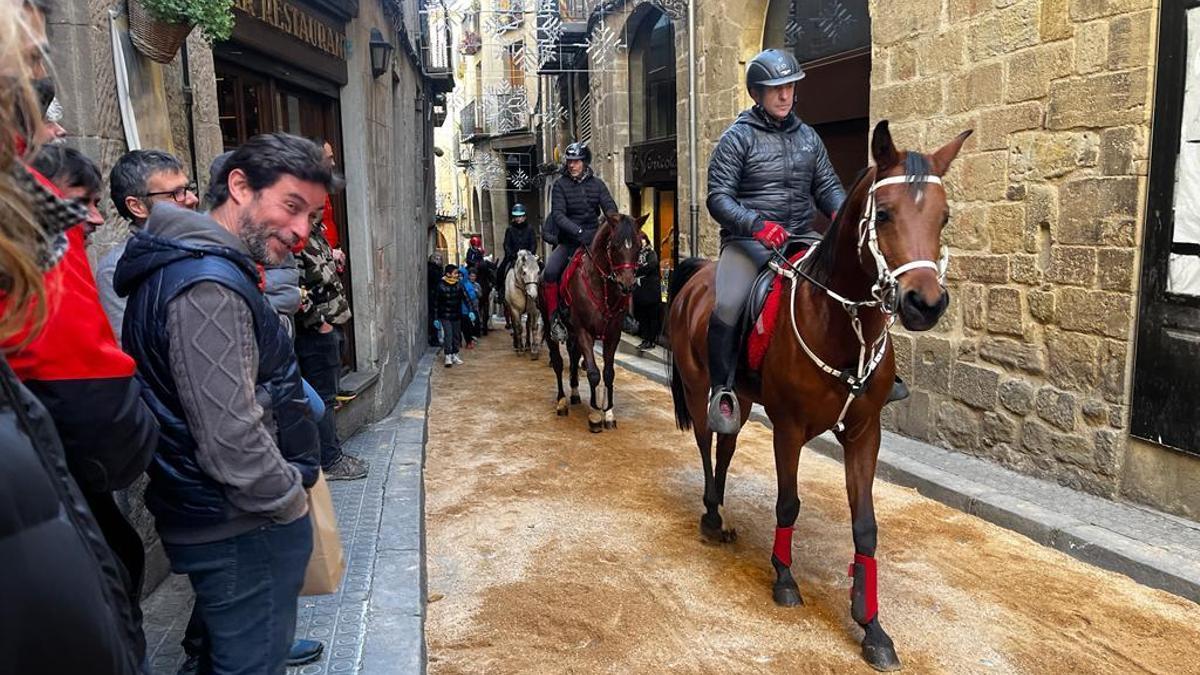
x,y
728,35
388,135
1031,365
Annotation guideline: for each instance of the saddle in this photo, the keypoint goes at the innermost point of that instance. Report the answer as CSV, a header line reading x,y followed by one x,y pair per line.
x,y
762,307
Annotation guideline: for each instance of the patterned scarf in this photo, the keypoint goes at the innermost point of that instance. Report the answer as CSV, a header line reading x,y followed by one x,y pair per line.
x,y
54,214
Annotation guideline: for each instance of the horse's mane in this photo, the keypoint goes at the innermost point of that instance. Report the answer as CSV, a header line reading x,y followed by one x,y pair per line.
x,y
625,229
821,265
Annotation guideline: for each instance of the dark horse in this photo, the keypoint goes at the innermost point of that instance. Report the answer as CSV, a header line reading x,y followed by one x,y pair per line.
x,y
830,363
597,297
485,274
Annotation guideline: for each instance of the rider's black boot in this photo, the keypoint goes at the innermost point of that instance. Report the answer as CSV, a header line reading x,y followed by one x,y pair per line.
x,y
899,391
724,416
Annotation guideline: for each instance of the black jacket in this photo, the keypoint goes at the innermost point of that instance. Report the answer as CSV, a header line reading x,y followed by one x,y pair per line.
x,y
762,170
575,208
519,238
649,288
64,608
448,301
153,272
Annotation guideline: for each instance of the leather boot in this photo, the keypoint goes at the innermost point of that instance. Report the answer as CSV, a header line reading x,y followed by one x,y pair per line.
x,y
558,328
724,415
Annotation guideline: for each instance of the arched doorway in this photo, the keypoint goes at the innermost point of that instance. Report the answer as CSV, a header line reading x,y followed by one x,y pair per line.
x,y
832,41
651,164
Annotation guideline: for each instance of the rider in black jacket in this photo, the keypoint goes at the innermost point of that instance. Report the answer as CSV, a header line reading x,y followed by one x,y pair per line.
x,y
767,176
518,237
577,200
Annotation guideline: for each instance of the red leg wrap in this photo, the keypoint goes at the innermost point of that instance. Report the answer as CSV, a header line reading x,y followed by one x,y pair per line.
x,y
869,590
550,290
783,545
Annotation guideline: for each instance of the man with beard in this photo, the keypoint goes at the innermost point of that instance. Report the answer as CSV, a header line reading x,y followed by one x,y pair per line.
x,y
238,444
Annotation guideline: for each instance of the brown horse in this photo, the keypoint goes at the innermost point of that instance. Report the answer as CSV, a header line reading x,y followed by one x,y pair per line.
x,y
597,297
830,363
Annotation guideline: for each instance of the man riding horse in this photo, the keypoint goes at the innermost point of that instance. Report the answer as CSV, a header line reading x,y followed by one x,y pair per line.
x,y
767,176
576,201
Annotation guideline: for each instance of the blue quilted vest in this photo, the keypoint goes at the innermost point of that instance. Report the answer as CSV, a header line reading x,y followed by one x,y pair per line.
x,y
152,273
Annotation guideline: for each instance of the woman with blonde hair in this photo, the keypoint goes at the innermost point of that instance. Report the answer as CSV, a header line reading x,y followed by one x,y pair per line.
x,y
64,607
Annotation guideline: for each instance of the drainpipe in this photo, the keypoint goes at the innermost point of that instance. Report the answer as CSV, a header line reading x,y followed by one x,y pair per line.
x,y
190,111
693,179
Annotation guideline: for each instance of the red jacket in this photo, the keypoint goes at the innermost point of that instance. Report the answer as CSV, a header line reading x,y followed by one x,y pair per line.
x,y
77,370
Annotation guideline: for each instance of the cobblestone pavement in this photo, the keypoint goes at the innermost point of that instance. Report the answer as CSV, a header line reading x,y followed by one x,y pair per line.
x,y
373,624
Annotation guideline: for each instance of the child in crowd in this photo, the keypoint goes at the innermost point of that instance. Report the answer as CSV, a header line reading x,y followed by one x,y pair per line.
x,y
450,298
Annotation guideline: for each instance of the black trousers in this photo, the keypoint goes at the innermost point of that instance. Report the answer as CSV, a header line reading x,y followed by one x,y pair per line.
x,y
320,358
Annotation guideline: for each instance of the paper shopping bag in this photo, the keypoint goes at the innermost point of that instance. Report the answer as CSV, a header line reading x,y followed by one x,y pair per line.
x,y
328,563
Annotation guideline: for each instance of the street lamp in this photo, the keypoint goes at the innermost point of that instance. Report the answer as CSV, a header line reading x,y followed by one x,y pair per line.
x,y
381,53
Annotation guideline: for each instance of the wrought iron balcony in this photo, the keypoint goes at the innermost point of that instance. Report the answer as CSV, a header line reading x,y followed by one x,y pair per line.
x,y
435,46
471,123
561,33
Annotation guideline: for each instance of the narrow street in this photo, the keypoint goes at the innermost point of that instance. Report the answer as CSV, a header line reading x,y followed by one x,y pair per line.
x,y
550,549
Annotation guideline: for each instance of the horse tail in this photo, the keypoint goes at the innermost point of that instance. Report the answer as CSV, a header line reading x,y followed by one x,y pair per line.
x,y
683,416
679,277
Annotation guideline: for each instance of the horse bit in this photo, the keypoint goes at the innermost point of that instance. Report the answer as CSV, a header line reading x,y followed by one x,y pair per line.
x,y
884,293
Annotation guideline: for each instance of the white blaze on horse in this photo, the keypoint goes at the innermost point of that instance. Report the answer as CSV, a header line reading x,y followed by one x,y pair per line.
x,y
520,296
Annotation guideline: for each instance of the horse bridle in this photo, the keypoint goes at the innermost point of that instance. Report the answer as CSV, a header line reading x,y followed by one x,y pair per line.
x,y
884,295
611,276
885,287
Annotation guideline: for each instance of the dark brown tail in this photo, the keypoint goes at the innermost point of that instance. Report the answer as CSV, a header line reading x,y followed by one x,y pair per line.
x,y
680,276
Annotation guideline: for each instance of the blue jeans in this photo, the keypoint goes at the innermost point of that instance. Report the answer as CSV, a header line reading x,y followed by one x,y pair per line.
x,y
246,590
320,358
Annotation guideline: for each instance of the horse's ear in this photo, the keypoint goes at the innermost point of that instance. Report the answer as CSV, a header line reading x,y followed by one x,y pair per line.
x,y
642,221
941,159
882,147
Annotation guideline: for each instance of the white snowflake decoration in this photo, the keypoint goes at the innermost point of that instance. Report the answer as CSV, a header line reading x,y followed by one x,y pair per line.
x,y
486,170
530,59
556,116
602,45
676,9
519,179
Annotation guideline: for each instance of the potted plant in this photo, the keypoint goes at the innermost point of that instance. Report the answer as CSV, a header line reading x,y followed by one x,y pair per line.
x,y
158,28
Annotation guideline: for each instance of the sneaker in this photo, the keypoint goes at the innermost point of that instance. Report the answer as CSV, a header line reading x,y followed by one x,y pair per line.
x,y
304,651
348,467
449,361
455,358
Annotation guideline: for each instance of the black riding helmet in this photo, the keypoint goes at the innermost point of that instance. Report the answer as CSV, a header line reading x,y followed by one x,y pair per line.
x,y
771,68
579,150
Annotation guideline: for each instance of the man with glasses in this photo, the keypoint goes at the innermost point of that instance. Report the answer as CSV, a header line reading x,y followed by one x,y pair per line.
x,y
138,180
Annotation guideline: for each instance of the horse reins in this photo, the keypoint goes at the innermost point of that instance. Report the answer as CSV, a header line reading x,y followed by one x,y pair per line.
x,y
883,292
609,277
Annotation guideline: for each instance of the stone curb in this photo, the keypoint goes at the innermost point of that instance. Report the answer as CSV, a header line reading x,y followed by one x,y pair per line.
x,y
395,637
1088,542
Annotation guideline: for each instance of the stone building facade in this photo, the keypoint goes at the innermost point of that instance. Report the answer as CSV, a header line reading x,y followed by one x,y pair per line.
x,y
1034,364
211,97
1062,261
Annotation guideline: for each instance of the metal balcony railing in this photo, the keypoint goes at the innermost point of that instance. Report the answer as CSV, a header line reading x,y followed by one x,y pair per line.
x,y
470,122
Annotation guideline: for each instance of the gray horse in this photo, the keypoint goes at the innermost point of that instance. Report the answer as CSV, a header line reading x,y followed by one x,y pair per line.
x,y
520,296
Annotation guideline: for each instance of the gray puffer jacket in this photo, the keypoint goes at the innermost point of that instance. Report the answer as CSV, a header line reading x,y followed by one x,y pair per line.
x,y
763,170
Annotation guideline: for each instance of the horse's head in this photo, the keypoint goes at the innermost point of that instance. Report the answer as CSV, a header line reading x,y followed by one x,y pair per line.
x,y
618,242
901,229
527,272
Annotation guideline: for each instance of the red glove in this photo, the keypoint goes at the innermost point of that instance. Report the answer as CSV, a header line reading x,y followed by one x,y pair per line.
x,y
771,234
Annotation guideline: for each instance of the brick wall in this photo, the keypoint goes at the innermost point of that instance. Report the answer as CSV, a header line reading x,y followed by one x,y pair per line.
x,y
1031,365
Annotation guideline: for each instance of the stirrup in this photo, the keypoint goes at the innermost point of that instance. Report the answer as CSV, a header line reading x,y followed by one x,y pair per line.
x,y
719,422
558,329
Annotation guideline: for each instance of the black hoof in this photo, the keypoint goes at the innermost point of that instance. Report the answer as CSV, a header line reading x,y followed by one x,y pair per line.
x,y
787,595
595,427
575,400
881,657
714,533
610,425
